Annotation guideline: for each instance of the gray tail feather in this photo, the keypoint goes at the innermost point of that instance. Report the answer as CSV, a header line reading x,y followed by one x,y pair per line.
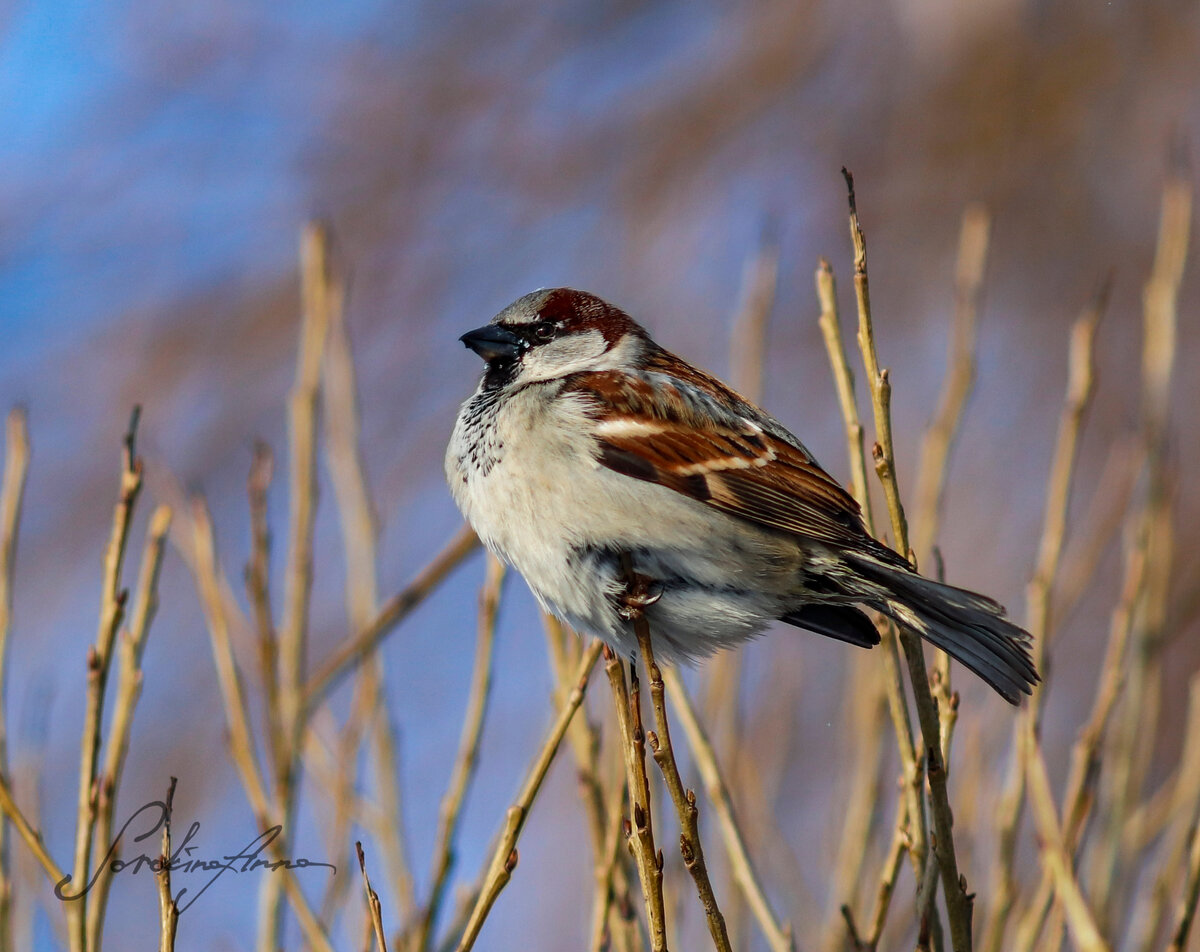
x,y
968,627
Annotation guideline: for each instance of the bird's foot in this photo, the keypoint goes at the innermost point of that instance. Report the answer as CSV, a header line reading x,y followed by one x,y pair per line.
x,y
640,593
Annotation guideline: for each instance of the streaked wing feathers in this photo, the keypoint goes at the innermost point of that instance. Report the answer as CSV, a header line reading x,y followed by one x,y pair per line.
x,y
709,446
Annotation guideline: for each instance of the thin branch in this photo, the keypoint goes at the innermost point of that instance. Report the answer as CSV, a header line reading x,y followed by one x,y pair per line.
x,y
1054,852
373,905
942,432
779,936
168,910
353,651
504,858
112,612
957,384
129,689
1077,400
958,902
640,831
12,490
664,755
468,750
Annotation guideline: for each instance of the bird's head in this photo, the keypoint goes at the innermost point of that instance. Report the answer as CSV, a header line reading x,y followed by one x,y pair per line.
x,y
552,333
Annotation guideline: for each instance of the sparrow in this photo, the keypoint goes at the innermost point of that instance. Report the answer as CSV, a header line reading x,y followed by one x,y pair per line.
x,y
588,450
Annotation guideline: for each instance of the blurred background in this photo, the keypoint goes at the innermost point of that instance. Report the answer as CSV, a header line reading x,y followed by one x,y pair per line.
x,y
159,160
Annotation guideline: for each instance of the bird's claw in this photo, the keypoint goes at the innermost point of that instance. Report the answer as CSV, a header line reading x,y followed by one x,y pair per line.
x,y
639,595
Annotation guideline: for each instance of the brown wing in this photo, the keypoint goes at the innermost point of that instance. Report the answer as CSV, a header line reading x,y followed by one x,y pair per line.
x,y
711,445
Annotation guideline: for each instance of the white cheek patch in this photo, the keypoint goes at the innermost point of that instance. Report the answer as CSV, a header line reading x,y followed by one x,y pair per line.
x,y
563,356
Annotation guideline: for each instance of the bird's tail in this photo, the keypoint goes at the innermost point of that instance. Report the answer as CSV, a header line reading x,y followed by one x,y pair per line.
x,y
970,628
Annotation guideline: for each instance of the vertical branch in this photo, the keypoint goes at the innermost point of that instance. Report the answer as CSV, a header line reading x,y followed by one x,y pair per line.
x,y
957,384
318,297
1080,387
1055,857
604,815
843,379
748,341
302,469
911,831
778,936
747,351
168,910
112,612
664,755
12,490
1079,793
129,689
373,905
359,527
942,431
958,903
468,751
257,577
1137,719
640,832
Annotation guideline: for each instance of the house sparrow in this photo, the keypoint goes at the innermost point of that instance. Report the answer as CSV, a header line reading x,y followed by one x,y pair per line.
x,y
586,445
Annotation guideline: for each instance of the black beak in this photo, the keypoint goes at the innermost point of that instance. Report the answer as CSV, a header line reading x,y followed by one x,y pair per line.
x,y
493,342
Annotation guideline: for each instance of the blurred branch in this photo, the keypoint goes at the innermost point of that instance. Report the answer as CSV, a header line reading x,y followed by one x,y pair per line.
x,y
1138,715
1080,388
356,516
241,740
112,612
12,491
957,384
129,689
373,906
468,750
1078,796
942,432
355,650
779,937
1055,858
504,858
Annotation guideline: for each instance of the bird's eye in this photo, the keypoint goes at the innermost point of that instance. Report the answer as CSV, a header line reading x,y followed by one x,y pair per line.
x,y
544,330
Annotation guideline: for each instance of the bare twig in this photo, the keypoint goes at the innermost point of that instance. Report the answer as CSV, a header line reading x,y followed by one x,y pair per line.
x,y
241,740
779,936
504,858
355,650
369,709
112,612
640,832
1080,385
168,909
373,905
1054,852
664,756
129,688
958,903
12,489
468,750
911,832
942,431
1077,798
957,384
